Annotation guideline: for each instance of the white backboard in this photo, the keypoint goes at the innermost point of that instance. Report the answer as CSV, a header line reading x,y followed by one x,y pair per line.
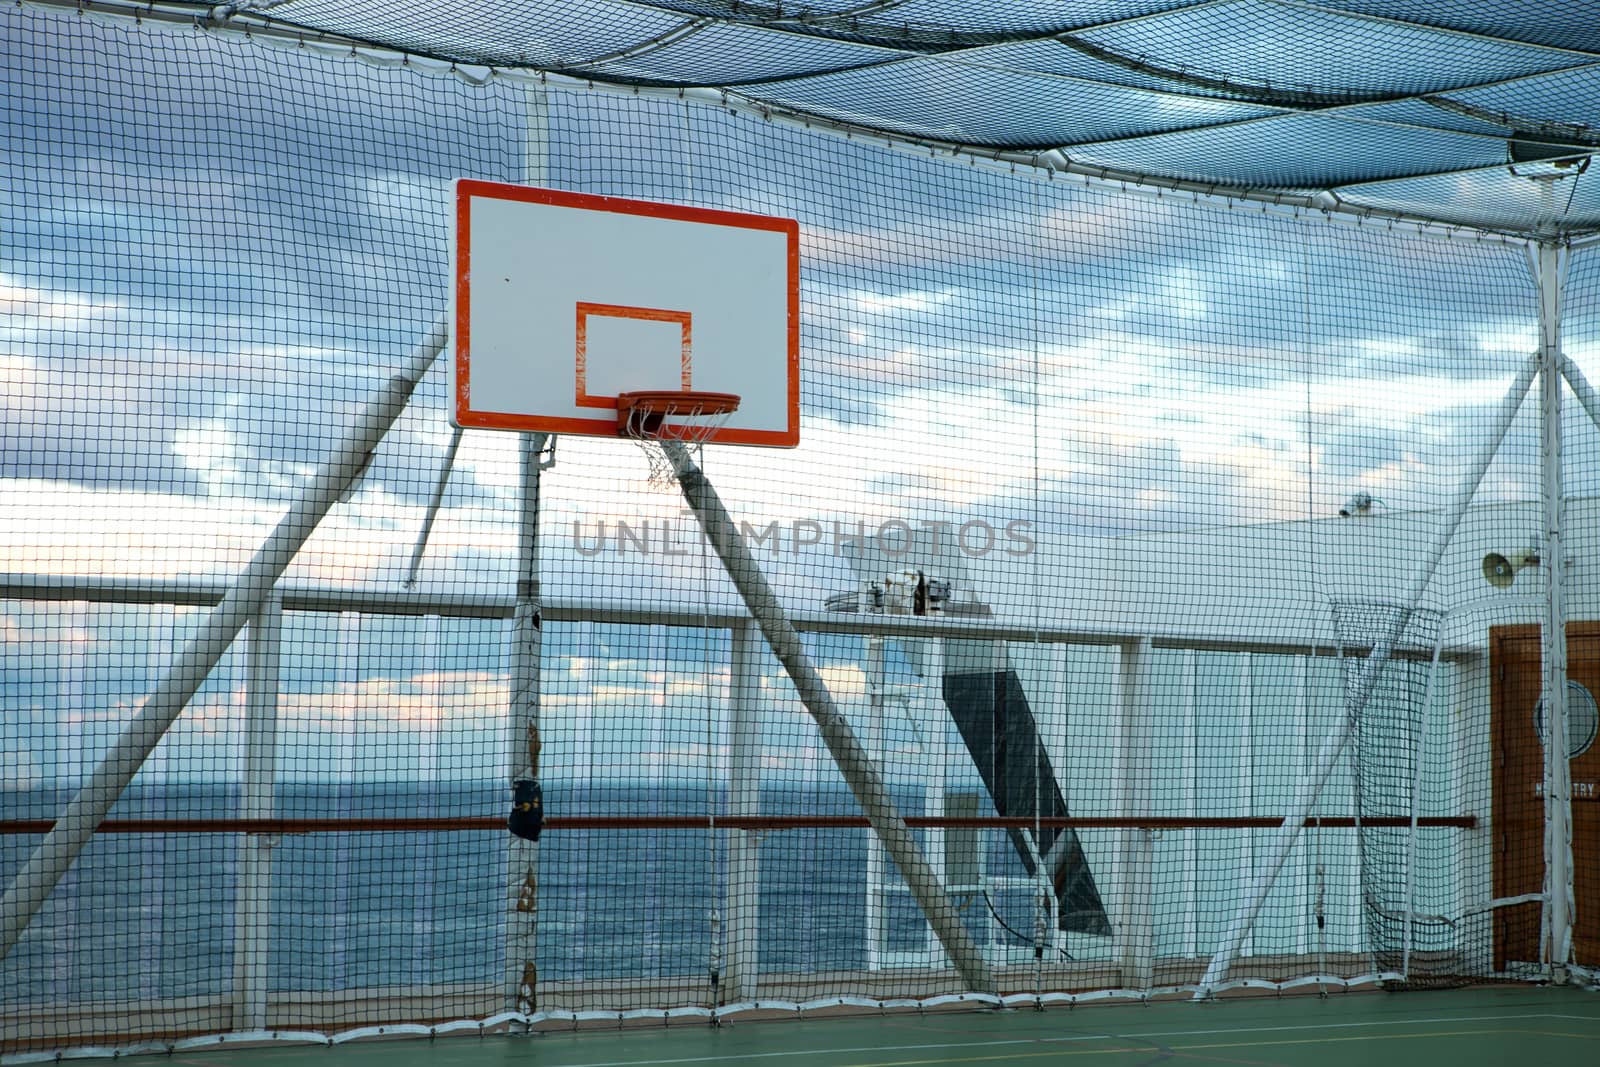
x,y
562,300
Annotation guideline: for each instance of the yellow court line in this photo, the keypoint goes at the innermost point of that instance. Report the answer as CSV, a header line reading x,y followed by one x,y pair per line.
x,y
1153,1047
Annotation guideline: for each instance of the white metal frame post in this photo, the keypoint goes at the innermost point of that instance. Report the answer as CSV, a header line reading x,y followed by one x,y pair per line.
x,y
744,800
858,769
1551,260
931,708
194,663
877,865
1135,930
1244,755
1190,684
1311,789
1043,673
253,908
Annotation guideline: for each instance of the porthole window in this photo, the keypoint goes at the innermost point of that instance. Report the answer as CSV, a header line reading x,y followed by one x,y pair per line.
x,y
1583,719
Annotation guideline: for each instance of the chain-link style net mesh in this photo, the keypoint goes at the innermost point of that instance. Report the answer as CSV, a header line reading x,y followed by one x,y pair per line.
x,y
1475,112
1060,542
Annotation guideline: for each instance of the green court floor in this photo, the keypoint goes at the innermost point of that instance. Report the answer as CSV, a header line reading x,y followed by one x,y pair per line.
x,y
1524,1026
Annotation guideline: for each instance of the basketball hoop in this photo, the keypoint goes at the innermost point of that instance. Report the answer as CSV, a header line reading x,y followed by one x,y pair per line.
x,y
653,416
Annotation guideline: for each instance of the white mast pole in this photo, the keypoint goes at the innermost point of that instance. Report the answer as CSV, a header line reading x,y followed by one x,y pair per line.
x,y
1557,925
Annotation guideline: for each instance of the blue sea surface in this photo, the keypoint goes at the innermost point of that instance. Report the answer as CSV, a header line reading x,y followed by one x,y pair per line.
x,y
153,915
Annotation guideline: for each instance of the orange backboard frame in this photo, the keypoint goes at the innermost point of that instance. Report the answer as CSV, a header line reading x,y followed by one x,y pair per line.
x,y
782,428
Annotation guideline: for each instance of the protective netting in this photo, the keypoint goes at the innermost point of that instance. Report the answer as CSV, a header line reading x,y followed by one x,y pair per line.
x,y
1389,703
1062,543
1406,109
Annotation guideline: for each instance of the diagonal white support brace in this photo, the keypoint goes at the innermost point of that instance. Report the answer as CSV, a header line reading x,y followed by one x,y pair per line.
x,y
433,507
853,761
73,830
1587,398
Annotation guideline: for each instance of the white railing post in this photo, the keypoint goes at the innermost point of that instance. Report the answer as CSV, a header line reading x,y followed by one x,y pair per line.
x,y
1307,875
1191,805
431,894
253,907
1245,756
744,800
877,862
941,844
1135,927
1057,665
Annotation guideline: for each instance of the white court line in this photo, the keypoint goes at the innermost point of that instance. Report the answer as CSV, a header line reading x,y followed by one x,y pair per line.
x,y
1078,1038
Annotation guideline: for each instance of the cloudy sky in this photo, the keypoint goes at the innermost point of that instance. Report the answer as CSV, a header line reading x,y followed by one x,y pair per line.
x,y
211,251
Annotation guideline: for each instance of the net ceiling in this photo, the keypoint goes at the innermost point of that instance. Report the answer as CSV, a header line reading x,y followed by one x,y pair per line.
x,y
1482,113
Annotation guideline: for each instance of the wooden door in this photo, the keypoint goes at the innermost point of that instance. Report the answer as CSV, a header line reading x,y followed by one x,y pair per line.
x,y
1515,687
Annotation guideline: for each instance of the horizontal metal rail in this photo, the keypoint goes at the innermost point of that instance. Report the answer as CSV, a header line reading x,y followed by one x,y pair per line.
x,y
379,824
190,593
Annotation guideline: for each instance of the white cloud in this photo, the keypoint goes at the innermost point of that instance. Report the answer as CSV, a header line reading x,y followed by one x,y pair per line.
x,y
31,307
903,302
19,771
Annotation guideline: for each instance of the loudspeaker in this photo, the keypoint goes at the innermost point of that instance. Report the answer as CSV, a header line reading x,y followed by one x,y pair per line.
x,y
1501,570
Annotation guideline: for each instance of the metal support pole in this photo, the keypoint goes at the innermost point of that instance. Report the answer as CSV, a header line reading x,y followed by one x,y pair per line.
x,y
77,824
744,799
1135,927
1333,747
954,851
1557,923
523,738
434,502
1418,755
1587,398
1191,801
857,767
253,909
877,865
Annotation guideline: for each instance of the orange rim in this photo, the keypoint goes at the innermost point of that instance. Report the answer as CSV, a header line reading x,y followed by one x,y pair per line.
x,y
644,412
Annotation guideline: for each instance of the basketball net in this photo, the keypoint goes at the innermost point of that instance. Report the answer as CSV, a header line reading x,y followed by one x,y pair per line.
x,y
689,418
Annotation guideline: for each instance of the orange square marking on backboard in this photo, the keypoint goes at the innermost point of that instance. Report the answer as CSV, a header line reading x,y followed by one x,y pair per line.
x,y
622,311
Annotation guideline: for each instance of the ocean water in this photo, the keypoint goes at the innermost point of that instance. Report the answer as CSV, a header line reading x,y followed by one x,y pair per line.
x,y
153,915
